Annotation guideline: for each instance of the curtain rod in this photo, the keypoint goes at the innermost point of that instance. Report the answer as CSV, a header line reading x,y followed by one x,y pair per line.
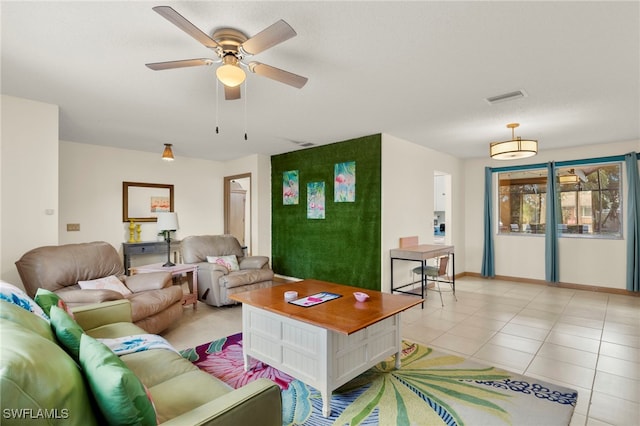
x,y
608,159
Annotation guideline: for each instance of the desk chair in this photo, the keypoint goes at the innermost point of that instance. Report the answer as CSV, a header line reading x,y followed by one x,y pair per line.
x,y
435,273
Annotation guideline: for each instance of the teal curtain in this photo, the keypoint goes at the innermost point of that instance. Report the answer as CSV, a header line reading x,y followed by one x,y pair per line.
x,y
488,267
552,274
633,219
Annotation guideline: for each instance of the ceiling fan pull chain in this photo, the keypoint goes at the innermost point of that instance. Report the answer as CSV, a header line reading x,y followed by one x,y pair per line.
x,y
246,95
217,100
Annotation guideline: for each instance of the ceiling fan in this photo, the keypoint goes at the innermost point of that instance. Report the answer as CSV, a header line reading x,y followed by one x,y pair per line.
x,y
232,48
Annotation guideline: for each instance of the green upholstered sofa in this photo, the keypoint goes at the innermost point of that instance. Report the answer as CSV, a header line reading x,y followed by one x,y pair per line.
x,y
42,384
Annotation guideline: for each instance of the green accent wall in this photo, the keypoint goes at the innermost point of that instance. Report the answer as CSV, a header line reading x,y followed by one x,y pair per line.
x,y
345,246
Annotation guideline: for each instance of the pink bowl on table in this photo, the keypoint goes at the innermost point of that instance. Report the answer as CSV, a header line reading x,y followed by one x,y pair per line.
x,y
360,296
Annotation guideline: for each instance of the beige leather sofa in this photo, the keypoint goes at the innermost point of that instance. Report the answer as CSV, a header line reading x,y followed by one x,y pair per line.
x,y
155,302
217,282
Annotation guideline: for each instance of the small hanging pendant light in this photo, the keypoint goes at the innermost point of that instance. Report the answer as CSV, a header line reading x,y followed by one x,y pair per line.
x,y
167,154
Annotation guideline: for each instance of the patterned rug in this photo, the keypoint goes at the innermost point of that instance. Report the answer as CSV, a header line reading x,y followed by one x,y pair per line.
x,y
431,388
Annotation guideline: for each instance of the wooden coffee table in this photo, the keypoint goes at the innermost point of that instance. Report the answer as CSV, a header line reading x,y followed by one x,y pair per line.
x,y
324,345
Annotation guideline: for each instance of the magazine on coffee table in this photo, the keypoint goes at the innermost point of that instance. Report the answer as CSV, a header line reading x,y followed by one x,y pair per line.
x,y
315,299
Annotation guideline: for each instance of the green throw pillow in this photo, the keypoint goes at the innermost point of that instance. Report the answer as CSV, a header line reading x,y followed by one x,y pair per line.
x,y
67,331
38,378
119,393
46,299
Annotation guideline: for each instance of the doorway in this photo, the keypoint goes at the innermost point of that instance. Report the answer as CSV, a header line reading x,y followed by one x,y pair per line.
x,y
441,208
237,208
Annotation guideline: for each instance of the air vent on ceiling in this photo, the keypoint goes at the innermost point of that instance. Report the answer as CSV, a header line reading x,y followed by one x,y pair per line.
x,y
303,144
506,97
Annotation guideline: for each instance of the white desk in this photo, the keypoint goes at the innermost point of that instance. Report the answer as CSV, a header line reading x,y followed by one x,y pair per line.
x,y
421,253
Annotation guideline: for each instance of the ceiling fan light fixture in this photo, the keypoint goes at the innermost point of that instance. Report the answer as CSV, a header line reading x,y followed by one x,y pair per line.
x,y
513,149
229,73
167,154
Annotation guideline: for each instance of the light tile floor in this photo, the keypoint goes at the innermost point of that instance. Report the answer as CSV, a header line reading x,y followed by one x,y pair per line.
x,y
588,341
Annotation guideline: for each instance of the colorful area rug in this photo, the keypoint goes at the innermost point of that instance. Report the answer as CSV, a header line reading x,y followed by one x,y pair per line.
x,y
430,388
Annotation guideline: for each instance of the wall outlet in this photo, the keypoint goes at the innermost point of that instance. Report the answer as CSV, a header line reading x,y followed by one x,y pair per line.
x,y
73,227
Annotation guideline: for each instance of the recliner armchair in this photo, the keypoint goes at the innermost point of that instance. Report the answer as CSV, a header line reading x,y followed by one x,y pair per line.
x,y
155,302
217,282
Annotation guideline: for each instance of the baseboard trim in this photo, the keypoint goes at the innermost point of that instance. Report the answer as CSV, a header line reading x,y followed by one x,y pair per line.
x,y
284,279
560,284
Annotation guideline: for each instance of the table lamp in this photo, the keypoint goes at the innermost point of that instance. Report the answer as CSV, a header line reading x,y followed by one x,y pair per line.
x,y
167,222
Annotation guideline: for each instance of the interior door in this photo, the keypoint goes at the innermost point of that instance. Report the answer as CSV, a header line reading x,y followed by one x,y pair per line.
x,y
237,205
237,208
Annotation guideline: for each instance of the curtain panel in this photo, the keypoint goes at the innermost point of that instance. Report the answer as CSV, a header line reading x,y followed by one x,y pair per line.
x,y
488,263
633,220
551,272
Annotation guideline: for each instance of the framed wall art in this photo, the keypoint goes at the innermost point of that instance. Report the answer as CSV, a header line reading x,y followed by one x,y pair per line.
x,y
344,190
290,187
315,200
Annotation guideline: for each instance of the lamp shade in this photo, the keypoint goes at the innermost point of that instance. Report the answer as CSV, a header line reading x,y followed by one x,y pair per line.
x,y
167,154
511,150
514,148
568,179
230,74
168,221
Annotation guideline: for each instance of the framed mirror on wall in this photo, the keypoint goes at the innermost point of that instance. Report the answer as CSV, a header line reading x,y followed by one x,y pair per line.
x,y
141,202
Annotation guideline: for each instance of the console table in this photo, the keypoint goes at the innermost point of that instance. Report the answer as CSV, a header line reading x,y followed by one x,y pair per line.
x,y
148,247
421,253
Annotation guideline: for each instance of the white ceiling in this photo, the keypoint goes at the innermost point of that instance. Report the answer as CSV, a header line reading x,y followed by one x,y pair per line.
x,y
417,70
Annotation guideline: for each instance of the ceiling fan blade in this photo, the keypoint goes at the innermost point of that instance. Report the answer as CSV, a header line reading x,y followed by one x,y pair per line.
x,y
159,66
231,93
269,37
181,22
274,73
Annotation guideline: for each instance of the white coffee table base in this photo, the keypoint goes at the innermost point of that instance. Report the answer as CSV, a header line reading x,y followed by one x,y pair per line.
x,y
319,357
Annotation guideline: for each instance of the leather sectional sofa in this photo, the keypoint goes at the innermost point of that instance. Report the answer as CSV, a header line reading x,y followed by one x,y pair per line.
x,y
156,304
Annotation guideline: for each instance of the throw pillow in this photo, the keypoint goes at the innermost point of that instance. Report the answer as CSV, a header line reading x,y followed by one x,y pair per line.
x,y
46,299
67,331
229,262
109,283
119,393
17,296
38,377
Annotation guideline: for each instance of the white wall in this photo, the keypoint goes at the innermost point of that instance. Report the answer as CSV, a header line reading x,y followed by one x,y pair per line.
x,y
29,180
40,173
408,201
595,262
82,184
260,168
91,179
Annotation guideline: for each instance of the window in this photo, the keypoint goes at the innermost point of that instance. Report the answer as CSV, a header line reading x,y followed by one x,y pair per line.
x,y
589,200
523,200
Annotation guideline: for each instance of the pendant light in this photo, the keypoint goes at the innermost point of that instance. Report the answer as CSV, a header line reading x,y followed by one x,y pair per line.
x,y
514,148
167,154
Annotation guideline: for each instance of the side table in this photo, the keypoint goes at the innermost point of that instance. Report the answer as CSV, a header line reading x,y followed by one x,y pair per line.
x,y
148,247
176,270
